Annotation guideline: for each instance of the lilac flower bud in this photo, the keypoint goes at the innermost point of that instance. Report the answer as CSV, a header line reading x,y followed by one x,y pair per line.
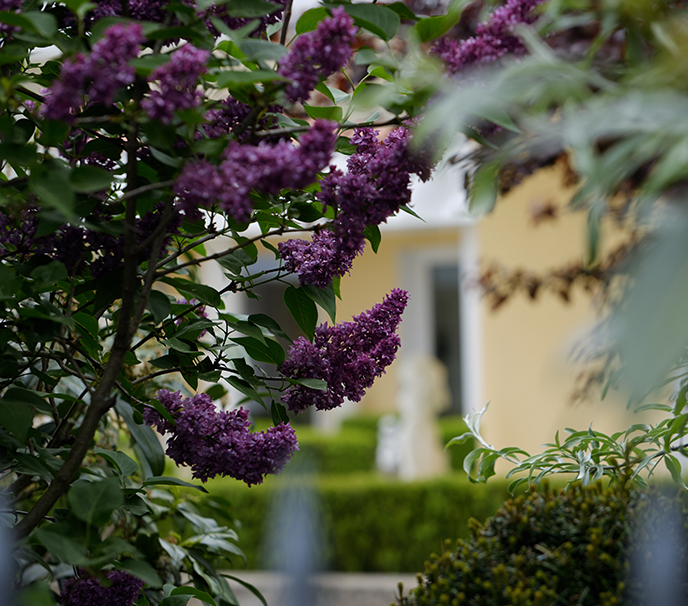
x,y
348,356
317,54
177,83
216,443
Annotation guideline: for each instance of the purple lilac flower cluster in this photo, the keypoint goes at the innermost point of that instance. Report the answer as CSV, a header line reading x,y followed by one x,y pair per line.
x,y
122,590
348,356
265,167
316,261
376,185
317,54
216,443
492,40
99,75
177,83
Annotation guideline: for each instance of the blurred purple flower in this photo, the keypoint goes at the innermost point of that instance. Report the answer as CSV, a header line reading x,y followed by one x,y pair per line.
x,y
177,83
348,356
100,74
317,54
220,443
492,40
122,590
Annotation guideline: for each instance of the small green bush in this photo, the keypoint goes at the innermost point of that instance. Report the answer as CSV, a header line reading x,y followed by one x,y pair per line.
x,y
551,547
371,523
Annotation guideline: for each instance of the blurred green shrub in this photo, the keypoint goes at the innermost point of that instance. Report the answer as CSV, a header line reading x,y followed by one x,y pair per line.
x,y
557,547
449,427
371,523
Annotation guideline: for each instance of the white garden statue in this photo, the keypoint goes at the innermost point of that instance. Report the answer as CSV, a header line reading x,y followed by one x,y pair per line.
x,y
423,395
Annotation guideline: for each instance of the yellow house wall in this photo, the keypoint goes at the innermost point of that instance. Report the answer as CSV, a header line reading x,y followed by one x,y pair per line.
x,y
527,371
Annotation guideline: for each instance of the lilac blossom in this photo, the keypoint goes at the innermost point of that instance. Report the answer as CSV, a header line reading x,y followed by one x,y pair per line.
x,y
492,40
177,83
66,94
216,443
317,54
348,356
375,187
266,167
316,261
107,64
100,74
122,590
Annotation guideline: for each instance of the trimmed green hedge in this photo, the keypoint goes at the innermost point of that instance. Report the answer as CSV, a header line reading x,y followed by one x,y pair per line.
x,y
372,524
352,449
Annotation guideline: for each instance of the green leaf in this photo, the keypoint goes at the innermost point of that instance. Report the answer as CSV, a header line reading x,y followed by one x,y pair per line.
x,y
250,8
123,462
94,502
403,11
61,546
90,178
17,419
334,113
318,384
434,27
269,323
483,190
260,50
324,297
244,387
374,236
242,78
46,276
278,414
196,593
54,189
270,352
159,305
248,586
302,309
142,570
674,468
377,19
192,290
26,397
170,481
310,19
149,450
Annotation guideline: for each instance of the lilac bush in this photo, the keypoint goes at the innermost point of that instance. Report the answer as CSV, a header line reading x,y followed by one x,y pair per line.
x,y
158,130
